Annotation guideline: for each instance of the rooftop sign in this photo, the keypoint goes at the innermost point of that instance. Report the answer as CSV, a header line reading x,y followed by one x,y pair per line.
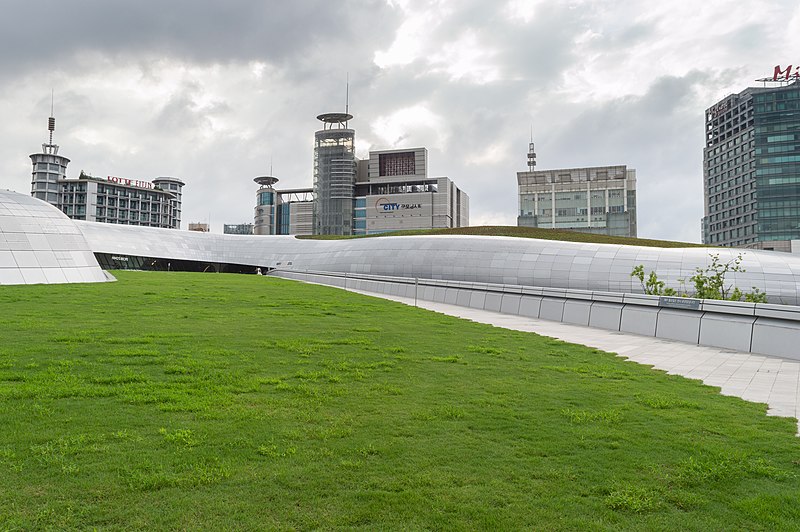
x,y
784,75
130,182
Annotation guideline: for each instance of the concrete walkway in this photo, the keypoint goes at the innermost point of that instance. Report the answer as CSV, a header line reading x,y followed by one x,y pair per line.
x,y
757,378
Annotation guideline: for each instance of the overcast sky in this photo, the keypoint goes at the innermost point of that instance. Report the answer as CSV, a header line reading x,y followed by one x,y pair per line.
x,y
211,92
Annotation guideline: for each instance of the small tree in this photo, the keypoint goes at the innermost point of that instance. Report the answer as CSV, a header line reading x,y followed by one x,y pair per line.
x,y
652,285
709,282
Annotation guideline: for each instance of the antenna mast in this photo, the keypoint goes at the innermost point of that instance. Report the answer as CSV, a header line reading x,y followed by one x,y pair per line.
x,y
51,122
531,154
347,97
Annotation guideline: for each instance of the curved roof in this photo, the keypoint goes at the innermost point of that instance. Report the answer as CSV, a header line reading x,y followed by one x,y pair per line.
x,y
40,245
518,261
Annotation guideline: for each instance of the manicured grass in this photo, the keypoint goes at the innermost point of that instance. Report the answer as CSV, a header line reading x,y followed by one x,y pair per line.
x,y
178,400
526,232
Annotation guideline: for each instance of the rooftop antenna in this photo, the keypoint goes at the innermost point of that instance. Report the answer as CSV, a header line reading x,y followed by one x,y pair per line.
x,y
347,97
51,122
270,165
531,153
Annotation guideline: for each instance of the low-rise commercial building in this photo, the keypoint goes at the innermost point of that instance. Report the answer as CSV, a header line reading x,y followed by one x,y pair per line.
x,y
393,192
597,199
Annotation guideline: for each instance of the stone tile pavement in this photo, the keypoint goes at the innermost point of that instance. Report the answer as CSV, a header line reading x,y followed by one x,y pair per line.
x,y
757,378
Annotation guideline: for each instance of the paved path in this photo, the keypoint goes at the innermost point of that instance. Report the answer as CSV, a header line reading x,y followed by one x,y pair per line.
x,y
757,378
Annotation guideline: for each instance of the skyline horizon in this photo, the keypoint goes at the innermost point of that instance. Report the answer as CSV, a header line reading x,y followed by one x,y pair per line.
x,y
212,94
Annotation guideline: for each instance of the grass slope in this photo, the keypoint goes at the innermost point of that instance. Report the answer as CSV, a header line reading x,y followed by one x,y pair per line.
x,y
179,400
526,232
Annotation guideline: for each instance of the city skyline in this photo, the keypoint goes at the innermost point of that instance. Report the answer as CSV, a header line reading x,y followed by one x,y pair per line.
x,y
212,93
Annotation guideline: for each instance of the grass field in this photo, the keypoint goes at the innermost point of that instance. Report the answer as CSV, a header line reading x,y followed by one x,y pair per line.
x,y
525,232
177,400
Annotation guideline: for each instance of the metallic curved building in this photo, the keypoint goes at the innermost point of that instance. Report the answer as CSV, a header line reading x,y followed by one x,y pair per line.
x,y
502,260
39,244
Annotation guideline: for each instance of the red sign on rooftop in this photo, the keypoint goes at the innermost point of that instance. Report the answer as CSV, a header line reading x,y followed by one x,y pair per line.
x,y
130,182
784,75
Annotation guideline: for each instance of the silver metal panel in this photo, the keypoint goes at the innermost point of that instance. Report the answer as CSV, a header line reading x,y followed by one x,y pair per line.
x,y
723,330
529,306
776,337
639,320
40,245
606,315
510,304
682,325
576,312
552,309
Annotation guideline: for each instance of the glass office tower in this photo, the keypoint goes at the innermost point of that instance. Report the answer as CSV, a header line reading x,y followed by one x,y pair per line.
x,y
334,175
751,169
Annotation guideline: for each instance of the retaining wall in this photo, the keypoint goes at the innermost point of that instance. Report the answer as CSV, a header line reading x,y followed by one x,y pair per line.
x,y
750,327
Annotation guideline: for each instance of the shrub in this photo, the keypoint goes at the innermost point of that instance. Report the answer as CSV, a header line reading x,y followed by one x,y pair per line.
x,y
709,282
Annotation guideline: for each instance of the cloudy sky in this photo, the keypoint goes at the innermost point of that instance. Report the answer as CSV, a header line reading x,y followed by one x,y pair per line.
x,y
212,91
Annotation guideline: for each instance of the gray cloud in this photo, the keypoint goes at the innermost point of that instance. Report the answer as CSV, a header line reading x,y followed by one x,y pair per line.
x,y
34,35
206,118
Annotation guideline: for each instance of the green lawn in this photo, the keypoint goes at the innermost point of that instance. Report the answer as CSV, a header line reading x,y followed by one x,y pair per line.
x,y
180,400
525,232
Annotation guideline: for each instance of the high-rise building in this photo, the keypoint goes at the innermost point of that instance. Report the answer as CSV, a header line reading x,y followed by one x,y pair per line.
x,y
597,199
111,200
334,175
751,169
389,191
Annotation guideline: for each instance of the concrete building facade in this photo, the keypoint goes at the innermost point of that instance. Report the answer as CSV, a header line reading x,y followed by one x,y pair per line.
x,y
393,192
388,191
751,169
597,199
110,200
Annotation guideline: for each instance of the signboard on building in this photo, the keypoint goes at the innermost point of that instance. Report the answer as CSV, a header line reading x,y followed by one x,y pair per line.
x,y
130,182
784,75
685,303
388,205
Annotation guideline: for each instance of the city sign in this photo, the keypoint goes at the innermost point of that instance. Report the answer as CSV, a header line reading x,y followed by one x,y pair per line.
x,y
130,182
383,204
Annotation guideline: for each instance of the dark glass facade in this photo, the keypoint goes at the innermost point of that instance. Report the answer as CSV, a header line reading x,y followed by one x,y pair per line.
x,y
334,180
777,153
751,169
